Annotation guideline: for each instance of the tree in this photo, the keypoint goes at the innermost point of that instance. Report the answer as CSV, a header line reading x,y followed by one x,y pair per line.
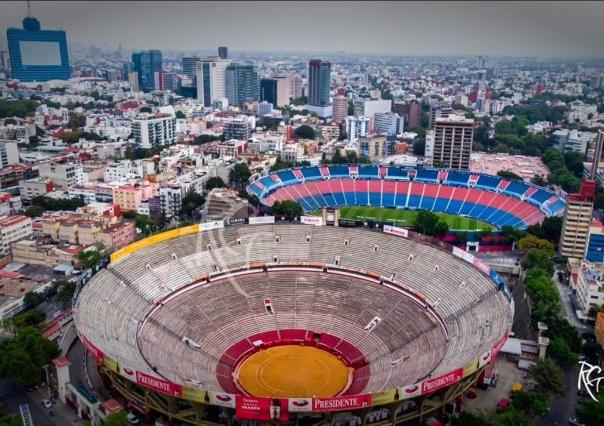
x,y
539,180
530,403
180,114
20,109
145,109
513,417
429,223
191,204
512,234
287,208
568,181
304,132
90,257
531,242
550,229
116,419
591,412
559,350
14,420
23,356
239,175
53,204
76,121
215,182
419,146
538,258
32,299
548,378
506,174
65,292
29,318
469,419
574,162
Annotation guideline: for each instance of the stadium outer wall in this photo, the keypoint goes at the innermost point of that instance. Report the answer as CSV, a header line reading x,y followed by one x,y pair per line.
x,y
431,397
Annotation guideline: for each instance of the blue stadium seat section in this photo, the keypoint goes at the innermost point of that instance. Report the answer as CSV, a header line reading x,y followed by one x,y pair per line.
x,y
388,199
541,196
427,175
339,171
457,178
488,182
286,177
516,188
371,172
397,173
268,183
311,172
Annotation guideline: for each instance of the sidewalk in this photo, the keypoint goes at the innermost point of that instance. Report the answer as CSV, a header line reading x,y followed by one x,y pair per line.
x,y
567,308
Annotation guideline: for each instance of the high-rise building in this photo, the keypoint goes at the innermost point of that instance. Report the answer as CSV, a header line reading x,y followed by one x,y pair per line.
x,y
264,108
133,80
319,83
439,110
340,109
577,219
598,148
36,54
410,111
189,67
295,87
151,131
223,52
211,80
357,127
452,142
238,128
389,123
373,147
369,107
275,90
241,83
146,64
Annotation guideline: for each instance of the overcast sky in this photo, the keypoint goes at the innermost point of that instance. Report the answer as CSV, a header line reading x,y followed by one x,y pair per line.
x,y
494,28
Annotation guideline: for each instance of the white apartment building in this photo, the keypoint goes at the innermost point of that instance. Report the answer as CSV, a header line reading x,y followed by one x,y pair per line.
x,y
9,153
127,169
357,127
589,286
62,175
369,107
155,130
211,79
388,122
13,228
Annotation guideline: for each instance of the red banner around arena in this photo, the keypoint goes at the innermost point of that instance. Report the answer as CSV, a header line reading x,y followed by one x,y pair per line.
x,y
96,353
158,384
441,381
261,409
499,345
341,403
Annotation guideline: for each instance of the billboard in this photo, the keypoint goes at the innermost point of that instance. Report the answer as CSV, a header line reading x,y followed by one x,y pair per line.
x,y
158,384
463,254
262,409
443,381
207,226
96,353
261,219
395,230
312,220
222,399
299,405
341,403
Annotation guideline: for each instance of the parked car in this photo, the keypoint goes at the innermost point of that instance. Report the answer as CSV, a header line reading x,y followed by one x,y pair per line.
x,y
133,419
46,403
573,421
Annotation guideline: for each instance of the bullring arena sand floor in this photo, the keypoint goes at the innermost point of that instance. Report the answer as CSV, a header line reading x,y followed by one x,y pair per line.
x,y
293,371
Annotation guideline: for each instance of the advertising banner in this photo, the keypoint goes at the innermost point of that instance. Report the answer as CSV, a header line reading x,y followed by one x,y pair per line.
x,y
111,365
385,397
158,384
261,219
499,345
299,405
443,381
470,367
483,267
312,220
341,403
463,254
127,372
395,230
410,391
484,359
197,395
215,224
262,409
96,353
222,399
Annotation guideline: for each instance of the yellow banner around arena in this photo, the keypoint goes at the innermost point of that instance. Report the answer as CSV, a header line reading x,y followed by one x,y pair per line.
x,y
195,395
384,397
111,364
153,239
470,367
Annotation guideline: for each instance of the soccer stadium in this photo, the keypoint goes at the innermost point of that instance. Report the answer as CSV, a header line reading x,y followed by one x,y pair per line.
x,y
497,201
293,323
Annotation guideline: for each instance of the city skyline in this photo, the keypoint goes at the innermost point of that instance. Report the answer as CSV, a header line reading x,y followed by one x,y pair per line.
x,y
562,29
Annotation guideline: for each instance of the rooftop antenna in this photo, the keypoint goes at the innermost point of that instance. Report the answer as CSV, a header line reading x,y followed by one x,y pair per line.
x,y
28,9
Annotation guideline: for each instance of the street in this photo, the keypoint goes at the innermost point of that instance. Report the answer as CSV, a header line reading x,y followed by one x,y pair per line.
x,y
567,308
562,408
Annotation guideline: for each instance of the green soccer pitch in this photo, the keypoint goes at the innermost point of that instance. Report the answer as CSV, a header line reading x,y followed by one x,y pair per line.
x,y
405,218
